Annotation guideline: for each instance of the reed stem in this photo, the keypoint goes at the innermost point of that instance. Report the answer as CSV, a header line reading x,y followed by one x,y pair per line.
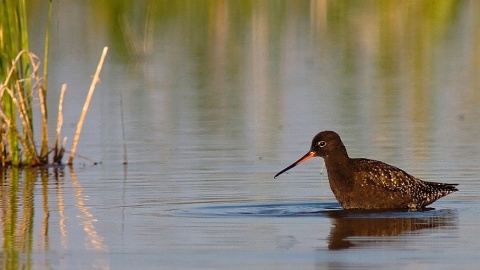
x,y
58,151
43,89
95,80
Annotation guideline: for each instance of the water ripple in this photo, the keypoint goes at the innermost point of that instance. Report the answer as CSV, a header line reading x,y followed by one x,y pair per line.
x,y
299,209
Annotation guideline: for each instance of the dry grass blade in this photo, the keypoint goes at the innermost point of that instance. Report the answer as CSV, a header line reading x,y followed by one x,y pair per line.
x,y
125,155
22,140
95,80
43,109
58,152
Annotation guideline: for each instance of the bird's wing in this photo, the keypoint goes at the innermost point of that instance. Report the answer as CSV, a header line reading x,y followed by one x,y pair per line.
x,y
386,176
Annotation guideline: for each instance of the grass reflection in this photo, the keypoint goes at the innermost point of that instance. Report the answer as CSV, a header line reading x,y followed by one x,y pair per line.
x,y
254,46
21,236
16,220
94,240
61,207
243,56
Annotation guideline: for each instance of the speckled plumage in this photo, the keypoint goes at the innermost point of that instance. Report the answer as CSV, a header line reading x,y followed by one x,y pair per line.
x,y
360,183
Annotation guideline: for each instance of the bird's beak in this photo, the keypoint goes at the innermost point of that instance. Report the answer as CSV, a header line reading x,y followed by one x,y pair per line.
x,y
307,156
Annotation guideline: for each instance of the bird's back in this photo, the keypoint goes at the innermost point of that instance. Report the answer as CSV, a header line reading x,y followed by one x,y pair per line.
x,y
380,185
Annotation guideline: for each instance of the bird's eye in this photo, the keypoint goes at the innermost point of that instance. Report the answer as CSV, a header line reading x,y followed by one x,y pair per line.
x,y
322,143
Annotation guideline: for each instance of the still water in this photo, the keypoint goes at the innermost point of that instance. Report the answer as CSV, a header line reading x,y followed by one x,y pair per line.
x,y
217,97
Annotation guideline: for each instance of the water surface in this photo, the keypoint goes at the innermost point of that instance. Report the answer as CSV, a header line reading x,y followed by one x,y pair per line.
x,y
217,97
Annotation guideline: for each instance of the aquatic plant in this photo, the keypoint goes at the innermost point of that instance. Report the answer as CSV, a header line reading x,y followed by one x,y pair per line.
x,y
21,84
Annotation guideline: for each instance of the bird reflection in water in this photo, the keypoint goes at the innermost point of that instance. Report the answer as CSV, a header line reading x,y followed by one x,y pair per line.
x,y
353,224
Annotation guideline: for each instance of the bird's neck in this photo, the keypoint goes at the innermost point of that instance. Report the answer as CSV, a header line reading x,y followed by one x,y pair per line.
x,y
337,157
339,169
340,163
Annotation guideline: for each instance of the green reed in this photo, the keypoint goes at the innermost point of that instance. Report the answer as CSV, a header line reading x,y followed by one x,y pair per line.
x,y
21,84
16,90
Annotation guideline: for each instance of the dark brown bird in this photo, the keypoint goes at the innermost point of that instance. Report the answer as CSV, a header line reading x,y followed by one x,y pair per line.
x,y
360,183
